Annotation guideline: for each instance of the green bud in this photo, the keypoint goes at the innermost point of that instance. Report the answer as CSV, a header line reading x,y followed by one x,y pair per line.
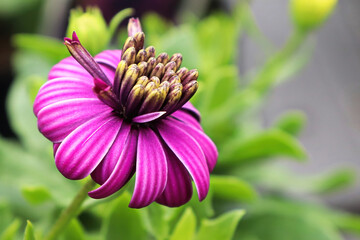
x,y
90,27
309,14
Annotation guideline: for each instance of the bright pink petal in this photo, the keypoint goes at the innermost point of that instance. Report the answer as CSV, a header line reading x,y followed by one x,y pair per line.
x,y
148,117
60,89
57,120
109,72
178,190
151,169
188,151
186,117
56,147
107,166
69,67
192,110
206,144
109,57
81,151
123,170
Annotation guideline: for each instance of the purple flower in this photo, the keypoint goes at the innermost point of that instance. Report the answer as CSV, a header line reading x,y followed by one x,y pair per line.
x,y
127,111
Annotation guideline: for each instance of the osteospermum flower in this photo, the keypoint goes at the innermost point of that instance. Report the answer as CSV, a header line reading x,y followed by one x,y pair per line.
x,y
124,112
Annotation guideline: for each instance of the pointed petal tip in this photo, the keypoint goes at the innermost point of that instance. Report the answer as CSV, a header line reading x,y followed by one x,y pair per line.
x,y
148,117
75,37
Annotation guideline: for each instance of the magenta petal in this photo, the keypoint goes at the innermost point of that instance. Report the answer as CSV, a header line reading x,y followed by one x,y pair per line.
x,y
178,190
206,144
123,170
192,110
107,166
148,117
60,89
151,169
110,58
188,151
81,151
186,117
109,72
69,67
57,120
56,147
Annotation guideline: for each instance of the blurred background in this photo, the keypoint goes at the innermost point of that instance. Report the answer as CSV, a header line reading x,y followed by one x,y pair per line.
x,y
327,90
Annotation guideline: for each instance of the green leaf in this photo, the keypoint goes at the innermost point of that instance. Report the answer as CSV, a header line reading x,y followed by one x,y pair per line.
x,y
283,219
35,82
11,231
14,159
6,215
346,222
29,231
271,143
155,221
232,188
73,231
155,27
123,222
222,227
185,228
221,83
291,122
36,194
203,209
52,49
22,118
334,181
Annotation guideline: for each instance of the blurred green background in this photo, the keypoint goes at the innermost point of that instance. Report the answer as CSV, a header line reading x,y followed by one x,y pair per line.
x,y
269,93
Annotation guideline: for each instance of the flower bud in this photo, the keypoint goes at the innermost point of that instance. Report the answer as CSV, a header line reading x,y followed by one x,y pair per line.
x,y
309,14
91,27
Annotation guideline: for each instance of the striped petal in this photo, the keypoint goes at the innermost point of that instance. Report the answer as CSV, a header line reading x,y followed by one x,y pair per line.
x,y
187,118
57,120
111,58
124,168
178,190
208,147
82,151
69,67
56,147
188,151
107,166
192,110
60,89
151,169
148,117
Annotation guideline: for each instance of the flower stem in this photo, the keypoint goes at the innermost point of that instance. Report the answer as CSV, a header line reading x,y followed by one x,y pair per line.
x,y
266,78
71,211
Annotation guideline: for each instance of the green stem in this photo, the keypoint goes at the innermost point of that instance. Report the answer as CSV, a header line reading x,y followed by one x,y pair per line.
x,y
268,75
71,211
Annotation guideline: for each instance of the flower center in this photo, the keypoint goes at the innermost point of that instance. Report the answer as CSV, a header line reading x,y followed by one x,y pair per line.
x,y
143,83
